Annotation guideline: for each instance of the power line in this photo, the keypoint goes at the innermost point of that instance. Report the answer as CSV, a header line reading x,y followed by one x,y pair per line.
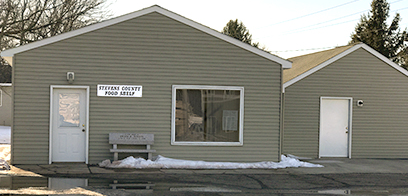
x,y
322,26
399,9
323,48
326,21
298,30
298,50
396,1
316,12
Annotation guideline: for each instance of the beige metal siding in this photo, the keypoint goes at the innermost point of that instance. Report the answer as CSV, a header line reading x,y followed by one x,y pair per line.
x,y
5,105
379,129
156,52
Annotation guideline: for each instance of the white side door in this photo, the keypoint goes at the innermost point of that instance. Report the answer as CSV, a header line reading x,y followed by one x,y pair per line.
x,y
68,130
335,127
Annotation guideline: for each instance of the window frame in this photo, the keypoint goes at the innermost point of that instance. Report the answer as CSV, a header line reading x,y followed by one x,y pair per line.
x,y
203,87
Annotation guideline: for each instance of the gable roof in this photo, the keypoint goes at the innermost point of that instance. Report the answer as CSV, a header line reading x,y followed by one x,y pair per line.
x,y
8,54
306,65
306,62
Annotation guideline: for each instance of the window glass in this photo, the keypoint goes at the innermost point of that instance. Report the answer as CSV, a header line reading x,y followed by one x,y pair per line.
x,y
68,110
207,115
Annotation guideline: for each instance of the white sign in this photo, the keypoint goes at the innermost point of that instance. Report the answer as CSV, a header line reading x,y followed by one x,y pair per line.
x,y
119,91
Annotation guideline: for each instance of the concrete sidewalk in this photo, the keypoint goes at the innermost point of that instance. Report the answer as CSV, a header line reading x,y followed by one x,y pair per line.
x,y
331,166
346,166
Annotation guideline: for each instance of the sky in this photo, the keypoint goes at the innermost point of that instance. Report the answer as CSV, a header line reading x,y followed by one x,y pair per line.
x,y
286,28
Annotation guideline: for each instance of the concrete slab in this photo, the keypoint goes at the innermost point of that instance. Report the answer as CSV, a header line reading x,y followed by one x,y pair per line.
x,y
331,166
57,169
131,170
355,166
99,170
214,171
177,171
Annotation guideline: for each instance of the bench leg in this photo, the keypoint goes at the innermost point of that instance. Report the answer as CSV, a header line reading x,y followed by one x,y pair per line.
x,y
149,154
115,156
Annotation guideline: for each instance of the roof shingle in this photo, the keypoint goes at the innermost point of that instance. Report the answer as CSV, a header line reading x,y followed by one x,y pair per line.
x,y
304,63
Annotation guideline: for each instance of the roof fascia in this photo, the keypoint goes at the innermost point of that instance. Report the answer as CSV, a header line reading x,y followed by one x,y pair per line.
x,y
385,59
285,63
341,55
50,40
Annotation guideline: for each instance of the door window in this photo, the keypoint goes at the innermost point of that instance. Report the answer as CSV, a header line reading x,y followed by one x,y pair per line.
x,y
69,108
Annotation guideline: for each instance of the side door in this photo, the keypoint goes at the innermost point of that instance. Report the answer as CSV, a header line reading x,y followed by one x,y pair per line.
x,y
68,130
335,127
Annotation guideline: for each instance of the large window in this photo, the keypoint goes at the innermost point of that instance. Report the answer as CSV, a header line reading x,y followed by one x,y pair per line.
x,y
207,115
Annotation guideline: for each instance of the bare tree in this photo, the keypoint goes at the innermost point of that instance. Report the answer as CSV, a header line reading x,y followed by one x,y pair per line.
x,y
25,21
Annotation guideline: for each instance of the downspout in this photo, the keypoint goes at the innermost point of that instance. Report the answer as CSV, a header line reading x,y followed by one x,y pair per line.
x,y
281,115
13,86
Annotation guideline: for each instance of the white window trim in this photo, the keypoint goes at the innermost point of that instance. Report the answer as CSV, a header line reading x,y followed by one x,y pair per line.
x,y
199,87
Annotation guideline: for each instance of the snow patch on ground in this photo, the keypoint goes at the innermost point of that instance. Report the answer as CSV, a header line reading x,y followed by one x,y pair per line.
x,y
169,163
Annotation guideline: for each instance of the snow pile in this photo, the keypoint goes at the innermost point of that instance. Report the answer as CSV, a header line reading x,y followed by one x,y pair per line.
x,y
169,163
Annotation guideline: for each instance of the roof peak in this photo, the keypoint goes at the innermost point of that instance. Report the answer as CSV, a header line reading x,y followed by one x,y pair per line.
x,y
306,65
8,54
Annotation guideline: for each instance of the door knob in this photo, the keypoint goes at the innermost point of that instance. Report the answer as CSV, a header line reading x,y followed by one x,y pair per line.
x,y
346,131
83,130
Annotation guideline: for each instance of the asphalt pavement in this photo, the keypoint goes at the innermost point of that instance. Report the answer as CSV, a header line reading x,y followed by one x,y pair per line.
x,y
337,177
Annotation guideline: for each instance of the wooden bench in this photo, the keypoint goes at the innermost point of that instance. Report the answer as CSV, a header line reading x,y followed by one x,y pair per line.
x,y
139,139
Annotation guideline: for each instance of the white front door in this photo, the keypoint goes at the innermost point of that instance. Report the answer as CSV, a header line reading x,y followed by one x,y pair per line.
x,y
335,115
68,130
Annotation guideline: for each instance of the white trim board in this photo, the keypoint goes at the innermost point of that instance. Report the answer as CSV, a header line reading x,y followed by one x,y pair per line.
x,y
9,53
341,55
86,88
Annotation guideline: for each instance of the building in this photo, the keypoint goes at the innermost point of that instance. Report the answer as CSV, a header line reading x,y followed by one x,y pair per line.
x,y
204,95
349,101
5,104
